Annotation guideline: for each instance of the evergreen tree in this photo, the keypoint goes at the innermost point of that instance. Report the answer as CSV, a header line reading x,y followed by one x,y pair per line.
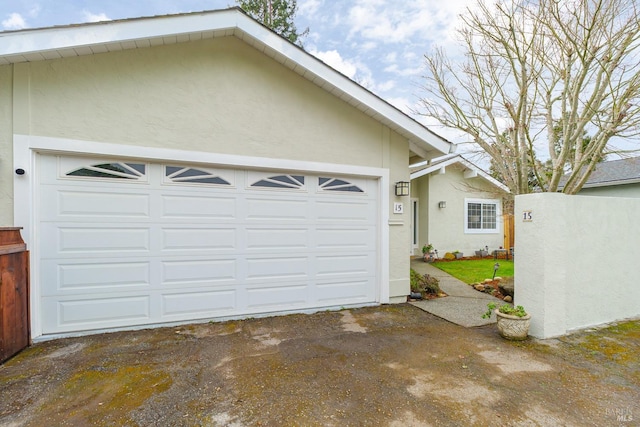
x,y
277,15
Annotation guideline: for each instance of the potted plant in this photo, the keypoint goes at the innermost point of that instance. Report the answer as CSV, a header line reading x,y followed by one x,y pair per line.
x,y
483,252
458,254
426,252
513,322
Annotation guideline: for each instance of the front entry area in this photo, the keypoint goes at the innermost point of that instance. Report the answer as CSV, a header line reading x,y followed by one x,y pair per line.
x,y
129,242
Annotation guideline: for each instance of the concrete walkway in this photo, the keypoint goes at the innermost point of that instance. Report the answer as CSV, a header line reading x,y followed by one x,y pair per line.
x,y
463,306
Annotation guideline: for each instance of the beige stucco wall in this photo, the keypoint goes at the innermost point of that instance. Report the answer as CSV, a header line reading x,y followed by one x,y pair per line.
x,y
219,96
213,95
400,223
576,259
444,228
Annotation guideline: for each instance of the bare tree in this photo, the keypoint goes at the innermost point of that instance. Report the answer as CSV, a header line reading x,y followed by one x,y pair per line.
x,y
535,66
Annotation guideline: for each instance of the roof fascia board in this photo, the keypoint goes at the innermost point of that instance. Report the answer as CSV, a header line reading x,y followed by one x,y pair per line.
x,y
484,175
26,42
612,183
38,42
465,163
433,168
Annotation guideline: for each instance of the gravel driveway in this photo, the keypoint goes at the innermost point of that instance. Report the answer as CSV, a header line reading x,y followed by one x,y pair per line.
x,y
384,366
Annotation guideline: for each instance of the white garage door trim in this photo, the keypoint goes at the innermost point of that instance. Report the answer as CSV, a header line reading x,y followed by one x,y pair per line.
x,y
27,148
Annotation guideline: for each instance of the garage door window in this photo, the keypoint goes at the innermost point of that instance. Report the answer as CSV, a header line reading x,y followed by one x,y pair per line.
x,y
179,174
114,170
281,181
335,184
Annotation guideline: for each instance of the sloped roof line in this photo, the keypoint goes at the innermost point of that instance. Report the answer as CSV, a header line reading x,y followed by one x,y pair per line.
x,y
445,161
610,173
41,44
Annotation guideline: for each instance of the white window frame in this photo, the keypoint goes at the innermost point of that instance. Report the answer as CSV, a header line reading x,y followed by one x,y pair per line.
x,y
498,205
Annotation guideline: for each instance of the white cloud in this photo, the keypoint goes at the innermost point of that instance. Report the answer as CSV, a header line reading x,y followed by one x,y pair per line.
x,y
15,21
335,60
386,86
34,11
92,17
308,8
401,104
391,57
388,23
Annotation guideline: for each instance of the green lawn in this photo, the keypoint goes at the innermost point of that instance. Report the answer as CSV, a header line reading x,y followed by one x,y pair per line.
x,y
475,270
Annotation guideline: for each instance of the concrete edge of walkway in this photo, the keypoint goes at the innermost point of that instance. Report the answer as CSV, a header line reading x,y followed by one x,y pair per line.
x,y
463,305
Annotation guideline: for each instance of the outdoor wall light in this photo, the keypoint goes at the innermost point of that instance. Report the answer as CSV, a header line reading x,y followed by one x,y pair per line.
x,y
402,188
442,204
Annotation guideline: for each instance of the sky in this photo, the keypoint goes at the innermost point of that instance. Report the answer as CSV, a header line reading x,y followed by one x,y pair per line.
x,y
378,43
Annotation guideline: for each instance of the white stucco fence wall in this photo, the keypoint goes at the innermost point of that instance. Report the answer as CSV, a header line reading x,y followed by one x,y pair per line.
x,y
577,261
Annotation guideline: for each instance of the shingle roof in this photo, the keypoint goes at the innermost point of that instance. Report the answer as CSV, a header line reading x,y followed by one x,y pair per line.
x,y
615,172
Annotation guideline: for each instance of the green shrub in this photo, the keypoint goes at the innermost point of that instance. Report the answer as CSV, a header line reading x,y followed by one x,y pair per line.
x,y
424,284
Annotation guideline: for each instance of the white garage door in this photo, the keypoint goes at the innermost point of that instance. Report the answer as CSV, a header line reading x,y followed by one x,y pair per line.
x,y
126,243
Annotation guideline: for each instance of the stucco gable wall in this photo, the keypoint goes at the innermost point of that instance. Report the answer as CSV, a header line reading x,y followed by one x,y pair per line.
x,y
217,95
445,228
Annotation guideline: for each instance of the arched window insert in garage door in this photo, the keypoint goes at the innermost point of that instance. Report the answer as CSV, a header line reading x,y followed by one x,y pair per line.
x,y
113,170
179,174
335,184
281,181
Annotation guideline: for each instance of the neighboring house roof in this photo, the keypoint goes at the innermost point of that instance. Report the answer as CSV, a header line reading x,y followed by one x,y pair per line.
x,y
107,36
614,172
471,171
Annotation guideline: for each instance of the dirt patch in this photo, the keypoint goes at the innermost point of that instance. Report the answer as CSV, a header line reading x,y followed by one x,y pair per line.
x,y
382,366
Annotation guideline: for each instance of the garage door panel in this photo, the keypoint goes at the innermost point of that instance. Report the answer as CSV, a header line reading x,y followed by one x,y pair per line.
x,y
59,240
185,272
190,238
346,211
346,239
345,291
330,265
78,314
201,304
271,239
287,209
277,268
290,296
103,203
88,277
198,207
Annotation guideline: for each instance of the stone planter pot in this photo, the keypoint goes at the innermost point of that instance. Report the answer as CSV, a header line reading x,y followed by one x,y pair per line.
x,y
513,327
482,254
459,255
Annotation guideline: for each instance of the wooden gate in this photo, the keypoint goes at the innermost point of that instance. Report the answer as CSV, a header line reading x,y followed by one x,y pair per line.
x,y
509,236
14,293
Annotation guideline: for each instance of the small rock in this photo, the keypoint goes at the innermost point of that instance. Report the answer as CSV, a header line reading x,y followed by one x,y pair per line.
x,y
498,279
488,280
507,299
506,288
479,287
